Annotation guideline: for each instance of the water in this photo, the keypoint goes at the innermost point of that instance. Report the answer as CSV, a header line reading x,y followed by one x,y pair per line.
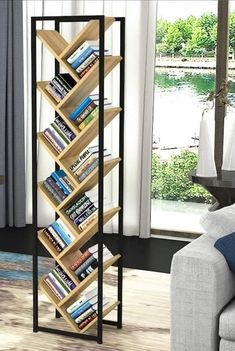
x,y
180,98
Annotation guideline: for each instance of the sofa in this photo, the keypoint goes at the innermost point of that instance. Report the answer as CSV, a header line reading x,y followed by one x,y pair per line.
x,y
203,293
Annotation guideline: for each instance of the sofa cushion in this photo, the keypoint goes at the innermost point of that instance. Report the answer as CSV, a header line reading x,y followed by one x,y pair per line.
x,y
226,245
220,222
227,322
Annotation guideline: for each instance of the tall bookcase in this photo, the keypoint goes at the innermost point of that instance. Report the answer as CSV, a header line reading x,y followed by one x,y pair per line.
x,y
52,39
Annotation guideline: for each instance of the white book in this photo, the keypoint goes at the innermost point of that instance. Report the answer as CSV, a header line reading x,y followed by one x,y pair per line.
x,y
65,229
60,287
89,295
80,50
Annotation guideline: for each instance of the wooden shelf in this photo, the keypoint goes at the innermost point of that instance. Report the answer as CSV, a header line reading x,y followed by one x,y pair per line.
x,y
53,41
47,196
87,84
88,280
89,32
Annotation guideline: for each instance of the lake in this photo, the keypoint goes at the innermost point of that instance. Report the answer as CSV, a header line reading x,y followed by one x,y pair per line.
x,y
180,98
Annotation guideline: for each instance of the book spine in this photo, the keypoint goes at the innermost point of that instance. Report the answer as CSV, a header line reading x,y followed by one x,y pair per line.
x,y
57,284
86,63
62,137
52,141
60,281
85,113
56,188
53,93
76,305
88,270
65,229
78,203
82,158
67,181
52,240
52,192
82,208
52,286
62,181
56,236
88,221
87,213
87,321
63,82
78,52
53,136
80,108
82,58
89,118
84,316
60,184
73,266
56,91
59,87
89,170
61,233
82,74
65,129
85,265
85,165
81,310
65,278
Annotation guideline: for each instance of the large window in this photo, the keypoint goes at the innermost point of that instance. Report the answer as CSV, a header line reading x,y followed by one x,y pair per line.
x,y
186,33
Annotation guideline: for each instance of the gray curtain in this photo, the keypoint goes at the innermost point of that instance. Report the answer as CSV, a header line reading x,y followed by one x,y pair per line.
x,y
12,153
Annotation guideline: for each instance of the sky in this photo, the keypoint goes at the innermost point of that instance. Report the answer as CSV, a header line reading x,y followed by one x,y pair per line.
x,y
173,9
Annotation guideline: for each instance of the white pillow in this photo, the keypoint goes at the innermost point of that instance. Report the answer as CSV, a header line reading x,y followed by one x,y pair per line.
x,y
219,223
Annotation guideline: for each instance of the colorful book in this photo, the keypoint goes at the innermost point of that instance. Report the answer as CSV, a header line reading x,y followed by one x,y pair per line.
x,y
80,210
85,265
88,170
56,187
87,69
86,63
87,321
61,233
58,284
85,112
76,204
81,58
52,240
53,193
85,214
88,221
71,285
53,143
80,50
53,93
53,136
89,118
89,295
59,134
53,288
56,236
61,282
79,260
65,129
88,304
80,108
65,229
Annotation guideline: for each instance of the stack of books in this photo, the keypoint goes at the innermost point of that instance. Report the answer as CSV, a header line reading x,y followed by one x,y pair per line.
x,y
83,210
85,264
59,282
58,185
84,310
59,235
83,114
60,86
85,57
59,134
87,161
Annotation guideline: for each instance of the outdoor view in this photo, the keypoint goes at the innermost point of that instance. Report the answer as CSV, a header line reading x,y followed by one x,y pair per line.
x,y
184,75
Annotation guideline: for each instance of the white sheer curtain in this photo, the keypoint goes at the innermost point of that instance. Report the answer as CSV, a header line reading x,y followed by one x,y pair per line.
x,y
140,45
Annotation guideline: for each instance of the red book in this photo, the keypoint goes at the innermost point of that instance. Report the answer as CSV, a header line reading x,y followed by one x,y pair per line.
x,y
87,321
80,260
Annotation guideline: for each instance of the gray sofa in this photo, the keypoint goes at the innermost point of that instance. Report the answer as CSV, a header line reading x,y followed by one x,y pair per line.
x,y
202,293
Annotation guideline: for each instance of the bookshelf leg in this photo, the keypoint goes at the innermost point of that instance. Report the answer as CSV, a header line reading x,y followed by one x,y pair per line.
x,y
57,314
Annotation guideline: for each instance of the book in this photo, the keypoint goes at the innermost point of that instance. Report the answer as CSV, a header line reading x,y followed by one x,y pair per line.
x,y
58,284
55,138
61,183
52,92
83,157
59,134
81,49
88,221
85,265
85,102
85,214
89,269
79,210
59,86
52,141
86,63
81,58
90,169
53,193
52,240
84,307
84,315
61,282
84,320
85,113
65,229
79,260
89,295
87,321
65,129
55,225
56,236
71,285
66,80
53,288
56,187
87,69
89,118
76,204
55,90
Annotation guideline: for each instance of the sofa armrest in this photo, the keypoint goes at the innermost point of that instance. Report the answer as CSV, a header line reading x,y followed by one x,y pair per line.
x,y
201,285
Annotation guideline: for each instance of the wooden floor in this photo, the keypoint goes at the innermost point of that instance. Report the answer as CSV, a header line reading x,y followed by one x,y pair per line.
x,y
146,312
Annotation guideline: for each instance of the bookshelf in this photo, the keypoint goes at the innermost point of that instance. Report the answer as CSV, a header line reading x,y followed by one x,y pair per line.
x,y
61,50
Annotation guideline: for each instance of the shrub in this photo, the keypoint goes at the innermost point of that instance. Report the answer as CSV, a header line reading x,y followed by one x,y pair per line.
x,y
170,179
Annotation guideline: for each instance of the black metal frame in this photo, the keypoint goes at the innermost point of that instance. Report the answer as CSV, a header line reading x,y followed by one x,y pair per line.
x,y
101,321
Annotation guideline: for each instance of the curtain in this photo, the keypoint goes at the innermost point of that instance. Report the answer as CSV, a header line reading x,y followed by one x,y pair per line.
x,y
12,154
140,45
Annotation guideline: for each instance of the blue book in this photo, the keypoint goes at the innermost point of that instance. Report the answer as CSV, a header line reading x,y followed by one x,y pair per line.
x,y
81,309
80,108
81,58
61,233
56,177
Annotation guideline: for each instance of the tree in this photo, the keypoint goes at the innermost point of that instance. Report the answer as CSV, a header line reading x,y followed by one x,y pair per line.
x,y
232,31
173,41
161,30
208,24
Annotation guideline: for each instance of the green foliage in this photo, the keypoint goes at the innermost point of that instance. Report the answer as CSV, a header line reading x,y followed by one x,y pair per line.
x,y
170,180
232,31
189,37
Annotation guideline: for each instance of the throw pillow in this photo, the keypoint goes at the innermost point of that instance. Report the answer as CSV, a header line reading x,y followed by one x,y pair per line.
x,y
226,246
220,222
